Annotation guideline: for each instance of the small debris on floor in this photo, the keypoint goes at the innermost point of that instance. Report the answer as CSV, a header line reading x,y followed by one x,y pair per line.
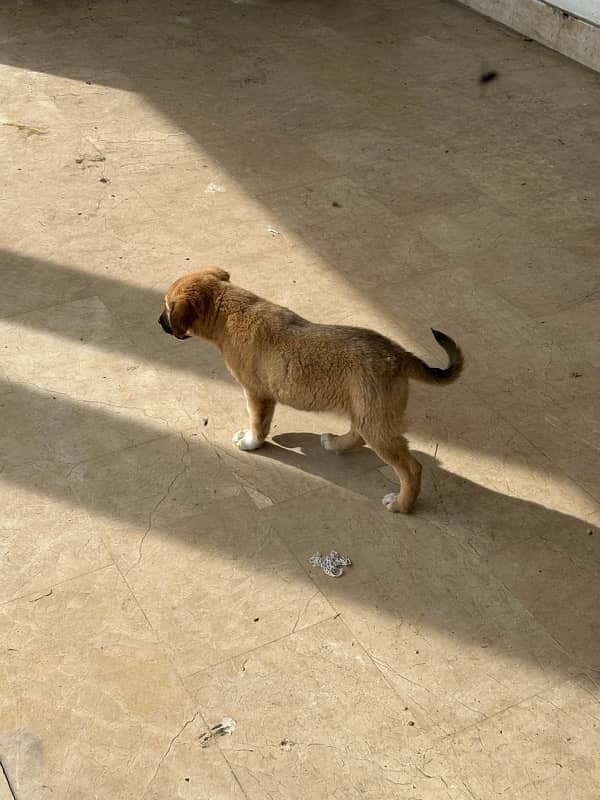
x,y
488,76
332,564
41,597
335,204
224,728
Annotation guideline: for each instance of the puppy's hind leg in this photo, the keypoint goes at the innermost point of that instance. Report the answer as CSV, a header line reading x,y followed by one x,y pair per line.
x,y
341,444
395,451
260,412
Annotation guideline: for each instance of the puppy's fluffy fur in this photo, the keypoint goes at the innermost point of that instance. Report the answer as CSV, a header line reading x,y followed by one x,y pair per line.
x,y
279,357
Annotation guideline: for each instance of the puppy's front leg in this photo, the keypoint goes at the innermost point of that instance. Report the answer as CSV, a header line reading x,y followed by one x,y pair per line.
x,y
260,412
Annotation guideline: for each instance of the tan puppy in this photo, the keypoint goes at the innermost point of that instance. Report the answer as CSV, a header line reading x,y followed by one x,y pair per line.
x,y
279,357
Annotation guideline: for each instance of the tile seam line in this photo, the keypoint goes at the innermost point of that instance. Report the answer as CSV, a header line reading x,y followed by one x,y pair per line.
x,y
538,448
235,656
166,650
553,685
389,683
58,584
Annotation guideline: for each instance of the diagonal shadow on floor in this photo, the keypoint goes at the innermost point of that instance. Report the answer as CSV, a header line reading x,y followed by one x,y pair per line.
x,y
157,461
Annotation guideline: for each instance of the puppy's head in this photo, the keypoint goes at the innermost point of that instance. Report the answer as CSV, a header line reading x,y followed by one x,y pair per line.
x,y
191,303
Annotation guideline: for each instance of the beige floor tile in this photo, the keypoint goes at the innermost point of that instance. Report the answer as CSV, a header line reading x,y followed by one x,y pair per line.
x,y
5,385
328,726
57,433
544,747
45,536
355,232
558,584
231,585
30,283
568,439
158,483
94,704
70,350
502,253
441,627
399,173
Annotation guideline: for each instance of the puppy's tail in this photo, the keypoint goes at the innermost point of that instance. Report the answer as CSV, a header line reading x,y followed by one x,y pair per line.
x,y
420,371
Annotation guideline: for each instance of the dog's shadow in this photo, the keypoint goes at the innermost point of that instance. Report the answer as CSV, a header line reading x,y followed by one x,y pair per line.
x,y
446,499
360,470
546,558
304,451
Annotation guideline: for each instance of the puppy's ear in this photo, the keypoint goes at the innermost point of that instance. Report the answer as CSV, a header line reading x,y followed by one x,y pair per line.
x,y
220,274
181,316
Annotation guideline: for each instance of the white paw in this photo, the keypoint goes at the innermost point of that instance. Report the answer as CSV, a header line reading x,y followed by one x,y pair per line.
x,y
245,441
388,500
328,441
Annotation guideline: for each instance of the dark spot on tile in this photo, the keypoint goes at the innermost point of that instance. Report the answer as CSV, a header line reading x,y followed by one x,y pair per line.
x,y
488,77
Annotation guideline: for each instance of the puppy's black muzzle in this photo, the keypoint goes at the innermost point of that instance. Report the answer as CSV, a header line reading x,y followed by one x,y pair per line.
x,y
163,321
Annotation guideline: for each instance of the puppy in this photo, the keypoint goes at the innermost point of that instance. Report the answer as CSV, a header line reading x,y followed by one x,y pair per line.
x,y
279,357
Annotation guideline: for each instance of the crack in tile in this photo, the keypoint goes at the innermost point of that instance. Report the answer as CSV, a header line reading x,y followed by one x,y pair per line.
x,y
185,725
303,611
153,511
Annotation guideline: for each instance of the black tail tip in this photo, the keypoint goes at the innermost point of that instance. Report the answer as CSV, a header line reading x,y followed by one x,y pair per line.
x,y
438,335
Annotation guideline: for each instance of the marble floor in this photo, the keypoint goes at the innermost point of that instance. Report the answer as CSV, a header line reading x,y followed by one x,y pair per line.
x,y
344,159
